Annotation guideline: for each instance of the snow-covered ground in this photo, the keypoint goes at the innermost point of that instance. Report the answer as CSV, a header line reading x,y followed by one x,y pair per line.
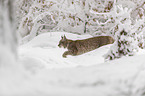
x,y
44,72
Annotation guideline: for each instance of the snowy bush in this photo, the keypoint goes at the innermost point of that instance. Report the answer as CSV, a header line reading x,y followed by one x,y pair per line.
x,y
106,21
126,23
127,33
38,16
50,16
33,21
99,22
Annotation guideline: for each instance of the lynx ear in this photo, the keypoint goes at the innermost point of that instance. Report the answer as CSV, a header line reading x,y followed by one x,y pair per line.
x,y
64,37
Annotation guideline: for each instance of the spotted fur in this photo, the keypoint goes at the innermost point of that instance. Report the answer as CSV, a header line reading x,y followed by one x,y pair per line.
x,y
78,47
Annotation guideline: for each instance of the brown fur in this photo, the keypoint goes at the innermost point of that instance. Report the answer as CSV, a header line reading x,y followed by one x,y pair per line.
x,y
77,47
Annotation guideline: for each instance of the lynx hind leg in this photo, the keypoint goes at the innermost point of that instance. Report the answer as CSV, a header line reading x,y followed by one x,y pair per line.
x,y
67,53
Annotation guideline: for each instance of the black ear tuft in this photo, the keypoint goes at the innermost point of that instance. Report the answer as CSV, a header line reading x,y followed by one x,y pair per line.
x,y
64,37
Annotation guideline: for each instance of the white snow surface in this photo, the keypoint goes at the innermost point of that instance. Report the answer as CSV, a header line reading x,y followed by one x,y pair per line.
x,y
42,71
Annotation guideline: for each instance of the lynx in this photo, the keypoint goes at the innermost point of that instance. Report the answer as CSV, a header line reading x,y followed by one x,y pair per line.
x,y
78,47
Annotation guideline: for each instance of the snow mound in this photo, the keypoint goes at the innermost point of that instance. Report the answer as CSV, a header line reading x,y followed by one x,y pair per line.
x,y
44,48
45,73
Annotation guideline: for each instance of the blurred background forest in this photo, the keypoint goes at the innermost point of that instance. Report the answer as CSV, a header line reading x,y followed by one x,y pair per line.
x,y
122,19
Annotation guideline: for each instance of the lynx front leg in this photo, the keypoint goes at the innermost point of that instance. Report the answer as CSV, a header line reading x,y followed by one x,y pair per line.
x,y
67,53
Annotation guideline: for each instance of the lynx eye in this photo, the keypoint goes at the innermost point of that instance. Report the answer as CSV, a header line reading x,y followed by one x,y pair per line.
x,y
62,42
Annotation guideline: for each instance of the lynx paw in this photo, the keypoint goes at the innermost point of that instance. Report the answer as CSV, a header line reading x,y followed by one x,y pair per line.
x,y
64,56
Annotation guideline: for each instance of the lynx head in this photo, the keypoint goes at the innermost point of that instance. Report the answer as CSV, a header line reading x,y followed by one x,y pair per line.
x,y
63,42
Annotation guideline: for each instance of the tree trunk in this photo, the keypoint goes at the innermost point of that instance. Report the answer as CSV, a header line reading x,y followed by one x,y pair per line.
x,y
8,40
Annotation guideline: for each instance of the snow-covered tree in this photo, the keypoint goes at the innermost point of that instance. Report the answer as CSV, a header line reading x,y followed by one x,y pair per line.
x,y
127,33
32,17
74,16
8,40
98,18
125,22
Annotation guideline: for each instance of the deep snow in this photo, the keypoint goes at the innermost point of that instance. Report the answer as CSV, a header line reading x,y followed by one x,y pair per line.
x,y
43,72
